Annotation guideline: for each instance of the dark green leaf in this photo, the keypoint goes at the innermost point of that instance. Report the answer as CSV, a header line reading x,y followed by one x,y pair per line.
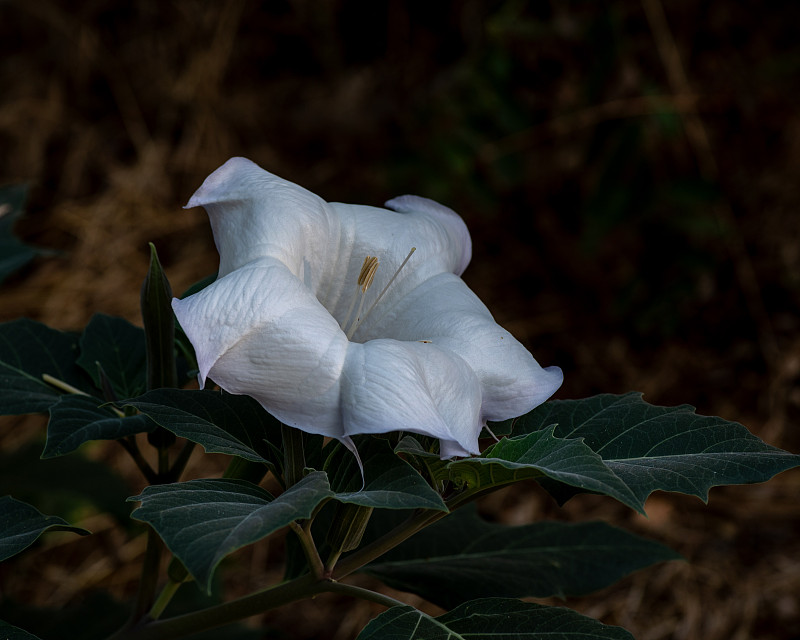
x,y
463,557
77,419
202,521
390,483
496,618
10,632
21,524
63,485
119,348
218,421
13,253
540,454
28,350
661,448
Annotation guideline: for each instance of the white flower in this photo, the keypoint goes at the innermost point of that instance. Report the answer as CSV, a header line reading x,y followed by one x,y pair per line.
x,y
292,318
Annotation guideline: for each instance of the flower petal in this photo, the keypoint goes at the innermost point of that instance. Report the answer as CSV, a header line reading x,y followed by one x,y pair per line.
x,y
255,214
458,234
389,385
259,331
444,310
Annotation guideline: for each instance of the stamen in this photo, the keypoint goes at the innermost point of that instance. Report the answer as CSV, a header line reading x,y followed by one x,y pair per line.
x,y
366,268
358,319
367,274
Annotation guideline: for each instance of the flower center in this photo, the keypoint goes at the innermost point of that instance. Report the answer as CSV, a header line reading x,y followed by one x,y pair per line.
x,y
365,278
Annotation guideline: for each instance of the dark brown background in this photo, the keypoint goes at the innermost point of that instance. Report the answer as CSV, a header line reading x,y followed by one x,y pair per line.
x,y
628,172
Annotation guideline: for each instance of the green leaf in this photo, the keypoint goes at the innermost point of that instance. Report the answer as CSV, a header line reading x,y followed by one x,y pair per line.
x,y
13,253
218,421
496,618
63,485
202,521
21,524
390,483
661,448
77,419
463,557
10,632
28,350
541,454
118,346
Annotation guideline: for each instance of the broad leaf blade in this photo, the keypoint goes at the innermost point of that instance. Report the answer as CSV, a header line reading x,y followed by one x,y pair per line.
x,y
13,252
496,618
28,350
119,348
218,421
77,419
202,521
21,524
390,483
463,557
661,448
63,485
541,454
10,632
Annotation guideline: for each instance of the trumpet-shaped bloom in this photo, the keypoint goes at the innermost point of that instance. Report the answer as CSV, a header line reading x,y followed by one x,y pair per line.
x,y
347,319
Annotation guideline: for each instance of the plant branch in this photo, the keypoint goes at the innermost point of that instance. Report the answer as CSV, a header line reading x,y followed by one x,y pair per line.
x,y
302,587
149,576
310,550
388,541
363,594
181,461
129,444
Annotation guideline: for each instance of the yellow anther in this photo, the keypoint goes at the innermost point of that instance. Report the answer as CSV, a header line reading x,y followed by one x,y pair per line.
x,y
367,273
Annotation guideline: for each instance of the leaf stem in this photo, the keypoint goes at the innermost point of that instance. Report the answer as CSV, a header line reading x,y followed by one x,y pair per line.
x,y
302,587
294,460
363,594
129,444
169,590
149,576
305,586
378,547
181,461
310,550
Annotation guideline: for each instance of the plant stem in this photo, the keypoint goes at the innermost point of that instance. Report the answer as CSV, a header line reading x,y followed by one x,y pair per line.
x,y
149,576
129,444
181,461
169,590
388,541
310,550
303,587
364,594
294,460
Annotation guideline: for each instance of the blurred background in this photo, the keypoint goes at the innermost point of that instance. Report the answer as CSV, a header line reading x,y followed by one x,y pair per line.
x,y
628,170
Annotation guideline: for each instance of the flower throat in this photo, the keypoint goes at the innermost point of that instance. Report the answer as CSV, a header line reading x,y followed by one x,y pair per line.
x,y
364,282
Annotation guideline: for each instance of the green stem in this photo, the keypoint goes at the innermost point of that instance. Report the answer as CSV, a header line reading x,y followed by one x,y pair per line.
x,y
294,460
129,444
149,576
378,547
303,587
310,550
181,461
363,594
169,590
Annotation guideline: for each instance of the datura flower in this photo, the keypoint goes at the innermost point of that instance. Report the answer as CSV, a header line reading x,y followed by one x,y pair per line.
x,y
347,319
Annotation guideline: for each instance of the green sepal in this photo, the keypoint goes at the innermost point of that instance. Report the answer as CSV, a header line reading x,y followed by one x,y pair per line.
x,y
349,523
